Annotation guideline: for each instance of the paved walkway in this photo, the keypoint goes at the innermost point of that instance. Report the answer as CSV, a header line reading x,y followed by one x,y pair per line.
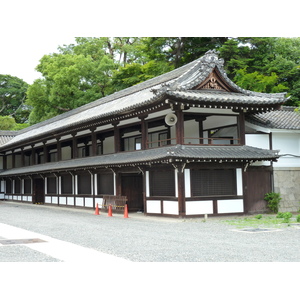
x,y
53,248
98,254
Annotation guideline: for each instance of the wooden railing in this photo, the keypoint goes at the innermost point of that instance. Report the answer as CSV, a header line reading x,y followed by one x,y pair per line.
x,y
195,141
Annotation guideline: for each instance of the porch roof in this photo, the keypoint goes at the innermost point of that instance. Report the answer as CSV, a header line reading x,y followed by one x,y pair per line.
x,y
162,155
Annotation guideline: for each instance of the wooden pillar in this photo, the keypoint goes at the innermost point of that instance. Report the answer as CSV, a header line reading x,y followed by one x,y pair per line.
x,y
144,132
180,127
58,149
45,150
74,146
117,137
94,142
33,160
118,184
181,191
5,161
200,121
22,157
241,128
13,159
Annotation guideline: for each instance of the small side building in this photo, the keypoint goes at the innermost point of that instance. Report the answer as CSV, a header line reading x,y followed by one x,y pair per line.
x,y
280,129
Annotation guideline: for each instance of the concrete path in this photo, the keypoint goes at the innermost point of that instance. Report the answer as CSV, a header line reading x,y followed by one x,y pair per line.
x,y
62,251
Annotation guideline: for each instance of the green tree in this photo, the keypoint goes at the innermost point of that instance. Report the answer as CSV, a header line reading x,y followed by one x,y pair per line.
x,y
136,73
92,68
7,123
12,98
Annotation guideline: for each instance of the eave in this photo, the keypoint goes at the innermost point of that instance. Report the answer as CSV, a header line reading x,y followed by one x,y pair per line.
x,y
146,158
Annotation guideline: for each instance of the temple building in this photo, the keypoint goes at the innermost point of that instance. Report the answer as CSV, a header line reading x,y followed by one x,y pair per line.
x,y
184,144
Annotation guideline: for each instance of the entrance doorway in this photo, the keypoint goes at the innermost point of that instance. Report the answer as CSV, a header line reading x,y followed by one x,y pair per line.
x,y
259,182
38,191
132,188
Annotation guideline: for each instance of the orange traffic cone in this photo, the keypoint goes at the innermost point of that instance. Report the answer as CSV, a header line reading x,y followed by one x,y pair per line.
x,y
125,211
110,211
97,210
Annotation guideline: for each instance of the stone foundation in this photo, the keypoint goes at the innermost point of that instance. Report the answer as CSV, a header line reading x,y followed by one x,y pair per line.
x,y
287,183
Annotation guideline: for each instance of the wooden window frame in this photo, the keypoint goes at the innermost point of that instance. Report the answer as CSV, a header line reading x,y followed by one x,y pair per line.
x,y
213,182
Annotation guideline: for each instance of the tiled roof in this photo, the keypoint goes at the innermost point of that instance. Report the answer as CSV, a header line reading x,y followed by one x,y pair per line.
x,y
169,154
175,83
225,98
285,118
6,136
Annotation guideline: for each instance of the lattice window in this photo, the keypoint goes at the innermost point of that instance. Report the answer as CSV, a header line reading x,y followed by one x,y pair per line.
x,y
51,185
105,184
27,186
84,184
213,182
17,186
162,183
66,184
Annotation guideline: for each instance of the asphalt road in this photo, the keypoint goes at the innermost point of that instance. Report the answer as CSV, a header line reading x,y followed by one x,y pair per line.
x,y
142,239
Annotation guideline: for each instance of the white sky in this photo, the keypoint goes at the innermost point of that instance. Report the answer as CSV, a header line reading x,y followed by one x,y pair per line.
x,y
21,56
32,28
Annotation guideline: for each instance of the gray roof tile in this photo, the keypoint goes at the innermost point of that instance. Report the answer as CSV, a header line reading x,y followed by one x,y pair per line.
x,y
175,83
285,118
6,136
167,154
220,97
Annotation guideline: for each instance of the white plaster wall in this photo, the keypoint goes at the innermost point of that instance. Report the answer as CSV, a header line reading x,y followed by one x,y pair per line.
x,y
258,140
239,182
63,200
109,145
287,143
153,206
147,184
79,201
170,207
199,207
66,153
187,180
70,200
230,206
89,202
191,130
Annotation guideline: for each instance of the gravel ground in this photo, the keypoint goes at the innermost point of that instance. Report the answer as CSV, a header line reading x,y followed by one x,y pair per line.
x,y
147,239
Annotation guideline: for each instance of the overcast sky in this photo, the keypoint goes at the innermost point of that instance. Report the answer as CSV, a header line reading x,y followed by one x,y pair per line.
x,y
32,28
20,56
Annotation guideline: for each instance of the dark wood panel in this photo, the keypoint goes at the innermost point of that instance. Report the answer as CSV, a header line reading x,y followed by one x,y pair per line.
x,y
258,184
132,188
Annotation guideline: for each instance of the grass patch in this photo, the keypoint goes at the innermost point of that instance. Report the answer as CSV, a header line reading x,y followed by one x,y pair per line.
x,y
259,221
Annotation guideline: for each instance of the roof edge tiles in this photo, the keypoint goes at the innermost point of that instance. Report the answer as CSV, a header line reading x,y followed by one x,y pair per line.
x,y
176,153
284,118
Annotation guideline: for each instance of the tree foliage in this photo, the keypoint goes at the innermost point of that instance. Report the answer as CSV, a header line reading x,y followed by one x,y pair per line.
x,y
92,68
12,98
